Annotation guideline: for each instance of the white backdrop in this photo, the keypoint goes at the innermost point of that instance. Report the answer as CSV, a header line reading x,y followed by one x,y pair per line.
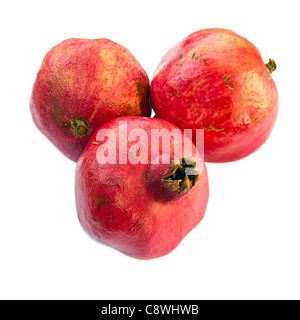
x,y
247,246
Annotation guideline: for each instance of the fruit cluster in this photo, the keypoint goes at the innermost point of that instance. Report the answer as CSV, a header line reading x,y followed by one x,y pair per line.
x,y
141,182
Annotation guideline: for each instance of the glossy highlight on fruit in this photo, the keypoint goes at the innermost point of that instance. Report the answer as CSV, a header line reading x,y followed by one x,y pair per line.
x,y
145,207
217,81
82,84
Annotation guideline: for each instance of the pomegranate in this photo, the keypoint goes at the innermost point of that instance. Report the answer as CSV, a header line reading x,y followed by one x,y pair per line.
x,y
81,85
137,195
216,80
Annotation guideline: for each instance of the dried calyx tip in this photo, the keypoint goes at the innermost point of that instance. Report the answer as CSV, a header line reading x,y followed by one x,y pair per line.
x,y
79,126
271,65
184,174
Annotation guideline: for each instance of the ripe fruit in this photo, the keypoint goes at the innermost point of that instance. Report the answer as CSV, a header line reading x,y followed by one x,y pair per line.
x,y
81,85
146,207
216,80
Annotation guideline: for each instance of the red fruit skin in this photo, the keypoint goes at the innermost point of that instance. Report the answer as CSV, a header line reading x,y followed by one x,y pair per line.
x,y
97,80
117,206
216,80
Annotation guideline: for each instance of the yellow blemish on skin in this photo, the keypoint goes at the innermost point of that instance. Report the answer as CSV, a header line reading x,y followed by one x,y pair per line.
x,y
227,79
139,87
254,91
246,93
101,201
182,120
211,127
93,114
245,119
231,88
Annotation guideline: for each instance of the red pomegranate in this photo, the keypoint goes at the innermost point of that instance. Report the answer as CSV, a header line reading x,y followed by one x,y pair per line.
x,y
81,85
216,80
139,188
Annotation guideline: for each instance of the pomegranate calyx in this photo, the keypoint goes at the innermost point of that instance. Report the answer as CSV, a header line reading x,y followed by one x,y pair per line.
x,y
79,126
271,65
183,174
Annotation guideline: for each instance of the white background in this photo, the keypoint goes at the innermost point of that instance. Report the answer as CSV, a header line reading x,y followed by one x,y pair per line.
x,y
247,246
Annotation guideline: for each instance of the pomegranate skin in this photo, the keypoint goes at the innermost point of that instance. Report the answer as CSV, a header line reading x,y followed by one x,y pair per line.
x,y
83,83
118,204
216,80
